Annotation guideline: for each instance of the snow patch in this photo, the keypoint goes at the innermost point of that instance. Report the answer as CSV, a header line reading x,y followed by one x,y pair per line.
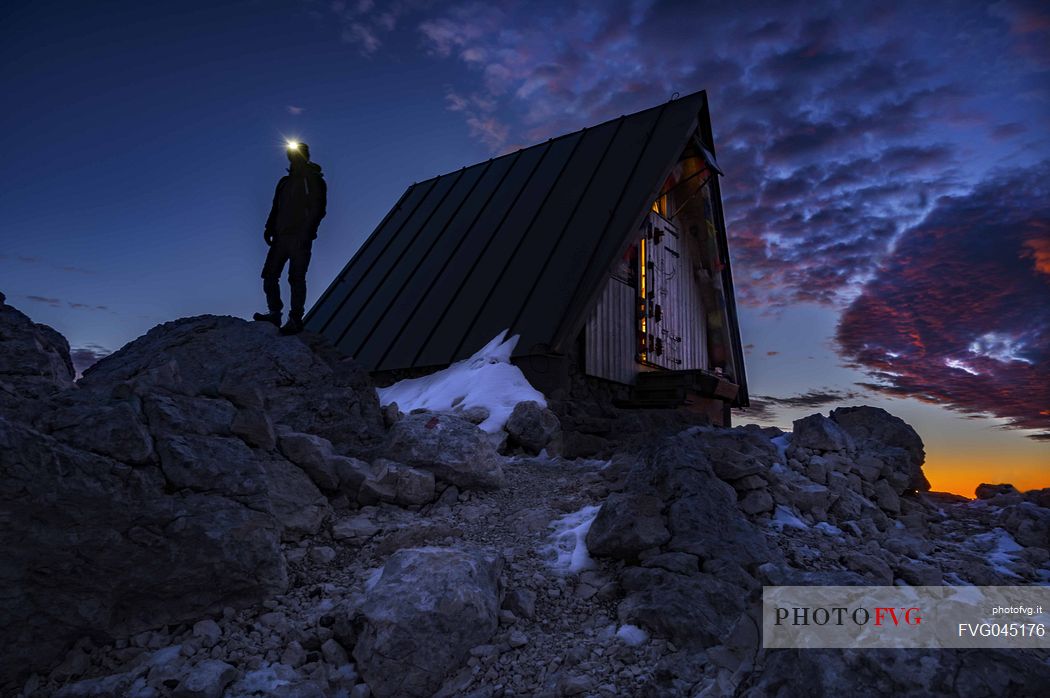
x,y
263,681
632,635
825,527
1002,550
782,442
487,379
568,547
786,517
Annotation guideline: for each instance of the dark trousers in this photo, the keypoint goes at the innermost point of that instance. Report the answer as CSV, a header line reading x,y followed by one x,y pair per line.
x,y
294,251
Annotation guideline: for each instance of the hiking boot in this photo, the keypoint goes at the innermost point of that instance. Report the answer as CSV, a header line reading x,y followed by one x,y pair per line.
x,y
293,326
274,317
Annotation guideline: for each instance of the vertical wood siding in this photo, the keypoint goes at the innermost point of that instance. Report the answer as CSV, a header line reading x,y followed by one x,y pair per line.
x,y
609,338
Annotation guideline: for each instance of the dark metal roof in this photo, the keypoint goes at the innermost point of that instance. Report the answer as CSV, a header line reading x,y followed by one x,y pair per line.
x,y
523,241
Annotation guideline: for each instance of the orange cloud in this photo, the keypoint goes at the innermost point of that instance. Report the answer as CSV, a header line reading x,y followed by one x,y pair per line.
x,y
1039,249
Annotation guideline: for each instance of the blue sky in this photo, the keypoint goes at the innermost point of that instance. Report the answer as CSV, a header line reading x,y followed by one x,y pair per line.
x,y
886,190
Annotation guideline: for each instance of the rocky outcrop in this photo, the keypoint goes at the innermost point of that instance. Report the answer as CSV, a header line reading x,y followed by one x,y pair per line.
x,y
96,546
875,428
302,384
34,360
152,492
691,550
419,621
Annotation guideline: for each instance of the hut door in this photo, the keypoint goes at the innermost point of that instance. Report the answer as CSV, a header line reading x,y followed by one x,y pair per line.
x,y
659,337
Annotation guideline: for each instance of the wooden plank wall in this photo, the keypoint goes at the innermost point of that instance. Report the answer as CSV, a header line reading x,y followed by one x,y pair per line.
x,y
689,307
609,339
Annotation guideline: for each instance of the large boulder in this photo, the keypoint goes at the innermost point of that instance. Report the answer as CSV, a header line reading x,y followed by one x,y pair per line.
x,y
452,448
627,524
152,492
818,433
94,546
875,429
531,426
34,360
735,453
422,616
306,385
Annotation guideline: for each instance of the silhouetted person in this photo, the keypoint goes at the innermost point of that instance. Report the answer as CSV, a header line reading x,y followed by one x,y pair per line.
x,y
298,207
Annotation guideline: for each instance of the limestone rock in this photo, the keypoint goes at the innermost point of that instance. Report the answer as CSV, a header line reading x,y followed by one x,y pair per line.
x,y
308,386
627,524
397,483
419,621
156,557
874,426
313,454
986,491
818,433
34,360
532,427
453,449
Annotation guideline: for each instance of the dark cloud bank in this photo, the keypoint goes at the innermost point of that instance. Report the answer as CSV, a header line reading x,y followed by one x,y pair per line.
x,y
960,313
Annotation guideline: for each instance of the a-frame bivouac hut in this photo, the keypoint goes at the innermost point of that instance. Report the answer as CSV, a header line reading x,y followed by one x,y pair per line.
x,y
604,249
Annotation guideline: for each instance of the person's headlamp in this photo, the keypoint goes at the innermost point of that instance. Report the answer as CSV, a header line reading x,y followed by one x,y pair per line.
x,y
292,145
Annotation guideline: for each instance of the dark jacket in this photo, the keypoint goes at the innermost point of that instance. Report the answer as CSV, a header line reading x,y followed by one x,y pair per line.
x,y
299,203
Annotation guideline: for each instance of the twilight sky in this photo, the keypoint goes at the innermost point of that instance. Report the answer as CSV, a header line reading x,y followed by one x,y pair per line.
x,y
887,187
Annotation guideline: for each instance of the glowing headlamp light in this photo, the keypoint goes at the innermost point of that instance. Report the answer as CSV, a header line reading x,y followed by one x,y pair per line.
x,y
292,145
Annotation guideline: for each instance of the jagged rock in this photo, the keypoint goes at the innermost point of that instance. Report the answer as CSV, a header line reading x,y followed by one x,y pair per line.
x,y
702,512
871,567
357,528
875,428
757,502
475,414
735,453
156,557
688,610
887,498
205,680
419,621
208,630
453,449
294,499
115,430
1039,497
308,386
34,360
818,433
521,602
986,491
532,427
627,524
397,483
253,425
313,454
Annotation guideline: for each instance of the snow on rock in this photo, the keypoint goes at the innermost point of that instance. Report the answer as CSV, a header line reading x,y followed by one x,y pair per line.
x,y
783,516
782,442
568,547
825,527
487,379
632,635
1001,550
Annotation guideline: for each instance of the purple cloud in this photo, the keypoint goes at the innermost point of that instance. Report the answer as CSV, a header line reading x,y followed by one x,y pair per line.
x,y
957,315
